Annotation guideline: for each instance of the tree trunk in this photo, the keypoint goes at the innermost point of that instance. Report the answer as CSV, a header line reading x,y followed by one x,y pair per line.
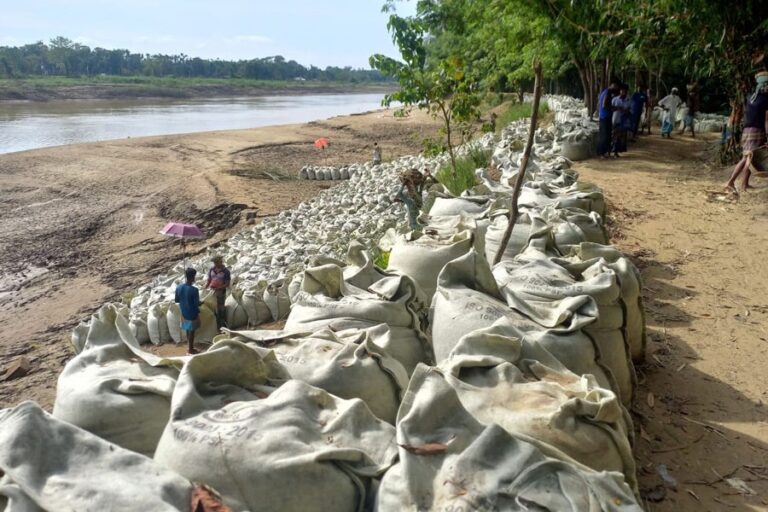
x,y
514,213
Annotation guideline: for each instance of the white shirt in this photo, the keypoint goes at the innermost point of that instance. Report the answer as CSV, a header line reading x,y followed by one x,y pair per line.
x,y
671,102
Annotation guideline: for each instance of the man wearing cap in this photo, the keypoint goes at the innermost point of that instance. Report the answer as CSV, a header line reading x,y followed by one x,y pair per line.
x,y
753,137
669,104
218,281
188,298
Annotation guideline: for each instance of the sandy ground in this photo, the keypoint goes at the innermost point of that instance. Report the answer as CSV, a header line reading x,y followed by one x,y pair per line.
x,y
79,224
89,216
702,407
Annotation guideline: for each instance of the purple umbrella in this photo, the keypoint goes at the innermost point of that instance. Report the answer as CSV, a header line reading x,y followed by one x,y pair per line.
x,y
182,231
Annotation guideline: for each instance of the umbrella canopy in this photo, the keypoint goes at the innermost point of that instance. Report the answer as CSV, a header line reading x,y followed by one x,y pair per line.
x,y
180,230
322,143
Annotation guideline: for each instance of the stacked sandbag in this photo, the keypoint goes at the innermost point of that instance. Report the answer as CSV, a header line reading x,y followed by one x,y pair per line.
x,y
50,465
354,296
208,327
348,364
114,389
559,297
500,380
423,257
294,448
450,461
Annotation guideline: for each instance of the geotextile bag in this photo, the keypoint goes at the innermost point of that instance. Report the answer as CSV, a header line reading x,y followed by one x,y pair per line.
x,y
567,416
348,364
157,323
424,257
114,389
237,316
450,461
296,448
552,296
53,466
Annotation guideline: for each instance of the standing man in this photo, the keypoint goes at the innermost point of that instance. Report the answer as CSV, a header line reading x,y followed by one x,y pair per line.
x,y
409,193
188,298
619,104
376,154
638,106
218,281
604,138
692,102
668,119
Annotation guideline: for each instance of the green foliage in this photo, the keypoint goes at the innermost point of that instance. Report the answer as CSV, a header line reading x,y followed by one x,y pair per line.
x,y
460,178
64,57
380,258
432,147
479,157
443,87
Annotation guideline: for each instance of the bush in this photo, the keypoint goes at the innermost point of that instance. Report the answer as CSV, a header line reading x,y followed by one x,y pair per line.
x,y
462,179
480,157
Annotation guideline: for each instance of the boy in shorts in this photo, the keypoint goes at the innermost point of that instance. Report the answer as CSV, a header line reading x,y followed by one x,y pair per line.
x,y
188,298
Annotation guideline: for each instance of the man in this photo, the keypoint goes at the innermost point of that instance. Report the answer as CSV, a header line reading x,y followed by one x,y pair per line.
x,y
668,119
218,281
411,186
188,299
605,114
376,154
619,107
753,137
639,105
692,102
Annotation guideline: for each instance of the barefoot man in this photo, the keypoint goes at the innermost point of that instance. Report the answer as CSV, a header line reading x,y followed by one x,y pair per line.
x,y
753,136
218,281
188,298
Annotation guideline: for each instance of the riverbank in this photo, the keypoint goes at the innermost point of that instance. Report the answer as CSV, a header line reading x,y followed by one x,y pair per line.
x,y
112,88
80,223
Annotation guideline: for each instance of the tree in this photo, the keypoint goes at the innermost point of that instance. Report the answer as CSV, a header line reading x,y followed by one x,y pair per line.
x,y
443,87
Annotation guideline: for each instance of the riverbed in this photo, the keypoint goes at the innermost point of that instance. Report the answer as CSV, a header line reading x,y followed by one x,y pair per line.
x,y
32,125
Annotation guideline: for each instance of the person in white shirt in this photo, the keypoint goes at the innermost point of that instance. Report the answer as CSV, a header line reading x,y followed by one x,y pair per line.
x,y
669,103
619,106
376,154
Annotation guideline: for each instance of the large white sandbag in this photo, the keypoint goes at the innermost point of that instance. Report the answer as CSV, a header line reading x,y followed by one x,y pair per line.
x,y
157,323
79,335
450,461
237,316
449,206
296,448
328,298
253,302
552,296
115,390
423,258
585,256
277,300
468,300
348,364
579,195
567,416
52,466
137,320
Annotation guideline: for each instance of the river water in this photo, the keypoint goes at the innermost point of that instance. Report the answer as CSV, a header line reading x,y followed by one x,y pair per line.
x,y
36,125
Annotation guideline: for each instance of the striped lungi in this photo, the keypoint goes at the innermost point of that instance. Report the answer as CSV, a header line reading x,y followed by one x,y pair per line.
x,y
751,139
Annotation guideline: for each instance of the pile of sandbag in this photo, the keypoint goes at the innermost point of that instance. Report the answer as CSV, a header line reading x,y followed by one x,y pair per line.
x,y
437,383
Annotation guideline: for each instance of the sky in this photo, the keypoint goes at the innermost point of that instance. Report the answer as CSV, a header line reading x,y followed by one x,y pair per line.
x,y
322,33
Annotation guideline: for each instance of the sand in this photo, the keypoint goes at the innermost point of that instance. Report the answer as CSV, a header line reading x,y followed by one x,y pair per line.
x,y
88,216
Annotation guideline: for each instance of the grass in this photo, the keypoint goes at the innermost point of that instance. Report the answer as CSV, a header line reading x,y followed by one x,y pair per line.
x,y
464,177
517,111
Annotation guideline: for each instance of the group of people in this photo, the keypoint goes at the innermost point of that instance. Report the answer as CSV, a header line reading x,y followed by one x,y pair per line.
x,y
621,115
188,298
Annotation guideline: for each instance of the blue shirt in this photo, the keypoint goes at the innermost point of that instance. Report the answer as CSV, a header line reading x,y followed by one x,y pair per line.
x,y
188,298
604,113
639,99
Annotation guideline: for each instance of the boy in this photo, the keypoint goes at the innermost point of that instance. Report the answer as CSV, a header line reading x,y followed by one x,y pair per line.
x,y
188,298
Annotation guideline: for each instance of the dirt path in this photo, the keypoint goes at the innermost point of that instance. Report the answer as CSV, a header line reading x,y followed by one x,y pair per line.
x,y
79,224
702,407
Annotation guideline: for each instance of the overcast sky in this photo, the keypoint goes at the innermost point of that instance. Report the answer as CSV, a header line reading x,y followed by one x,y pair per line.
x,y
323,33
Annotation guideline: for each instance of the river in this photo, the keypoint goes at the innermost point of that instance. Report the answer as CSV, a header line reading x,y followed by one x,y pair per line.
x,y
37,125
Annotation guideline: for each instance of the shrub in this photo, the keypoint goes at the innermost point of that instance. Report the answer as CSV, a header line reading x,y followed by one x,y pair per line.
x,y
518,111
462,179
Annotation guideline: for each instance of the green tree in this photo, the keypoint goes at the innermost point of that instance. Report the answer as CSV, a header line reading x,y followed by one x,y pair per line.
x,y
442,87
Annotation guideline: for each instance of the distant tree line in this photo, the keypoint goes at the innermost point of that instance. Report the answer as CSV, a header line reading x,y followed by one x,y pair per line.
x,y
64,57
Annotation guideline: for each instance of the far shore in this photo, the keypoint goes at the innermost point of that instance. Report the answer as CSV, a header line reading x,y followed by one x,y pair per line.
x,y
53,89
